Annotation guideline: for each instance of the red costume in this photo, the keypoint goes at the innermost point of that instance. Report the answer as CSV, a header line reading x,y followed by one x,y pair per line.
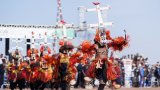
x,y
104,42
12,72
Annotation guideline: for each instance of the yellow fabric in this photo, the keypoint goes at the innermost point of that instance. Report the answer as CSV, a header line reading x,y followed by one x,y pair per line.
x,y
64,59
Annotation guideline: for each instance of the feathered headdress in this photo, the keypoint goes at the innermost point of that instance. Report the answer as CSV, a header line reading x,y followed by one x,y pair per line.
x,y
65,45
116,44
102,36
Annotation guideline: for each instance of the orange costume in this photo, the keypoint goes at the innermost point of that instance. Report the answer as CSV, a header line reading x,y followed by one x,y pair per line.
x,y
45,72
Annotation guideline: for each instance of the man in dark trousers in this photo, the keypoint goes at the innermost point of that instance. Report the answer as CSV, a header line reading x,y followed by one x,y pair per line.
x,y
81,74
157,73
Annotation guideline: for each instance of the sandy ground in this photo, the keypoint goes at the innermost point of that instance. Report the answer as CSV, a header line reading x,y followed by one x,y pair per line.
x,y
158,88
122,89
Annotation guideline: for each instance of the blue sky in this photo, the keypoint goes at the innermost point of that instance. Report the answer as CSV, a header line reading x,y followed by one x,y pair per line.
x,y
141,19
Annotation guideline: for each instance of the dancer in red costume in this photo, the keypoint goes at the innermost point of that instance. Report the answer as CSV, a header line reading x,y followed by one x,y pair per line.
x,y
12,75
46,68
22,74
102,66
65,70
86,51
34,65
16,75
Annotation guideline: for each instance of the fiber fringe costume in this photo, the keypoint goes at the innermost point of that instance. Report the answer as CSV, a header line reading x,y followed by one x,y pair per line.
x,y
65,70
103,66
16,72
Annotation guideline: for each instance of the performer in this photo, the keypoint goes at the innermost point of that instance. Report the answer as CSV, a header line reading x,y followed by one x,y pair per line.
x,y
55,74
102,67
16,55
81,74
46,68
12,70
33,53
34,75
65,70
45,50
86,51
34,67
15,74
22,74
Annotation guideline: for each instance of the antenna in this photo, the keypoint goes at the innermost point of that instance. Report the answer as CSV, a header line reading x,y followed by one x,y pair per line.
x,y
59,12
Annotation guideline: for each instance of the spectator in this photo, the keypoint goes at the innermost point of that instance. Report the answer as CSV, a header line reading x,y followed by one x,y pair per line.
x,y
10,56
136,79
81,75
1,72
141,68
146,74
157,73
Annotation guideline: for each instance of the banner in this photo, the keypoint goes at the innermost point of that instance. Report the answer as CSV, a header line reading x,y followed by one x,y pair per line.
x,y
21,32
26,32
128,71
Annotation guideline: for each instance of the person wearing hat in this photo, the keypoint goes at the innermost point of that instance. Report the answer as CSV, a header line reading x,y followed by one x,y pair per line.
x,y
64,69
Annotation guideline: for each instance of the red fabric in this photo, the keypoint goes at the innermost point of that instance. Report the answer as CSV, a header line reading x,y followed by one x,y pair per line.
x,y
34,76
91,70
72,70
74,58
118,71
46,76
11,76
22,75
111,72
48,59
108,37
22,72
56,64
